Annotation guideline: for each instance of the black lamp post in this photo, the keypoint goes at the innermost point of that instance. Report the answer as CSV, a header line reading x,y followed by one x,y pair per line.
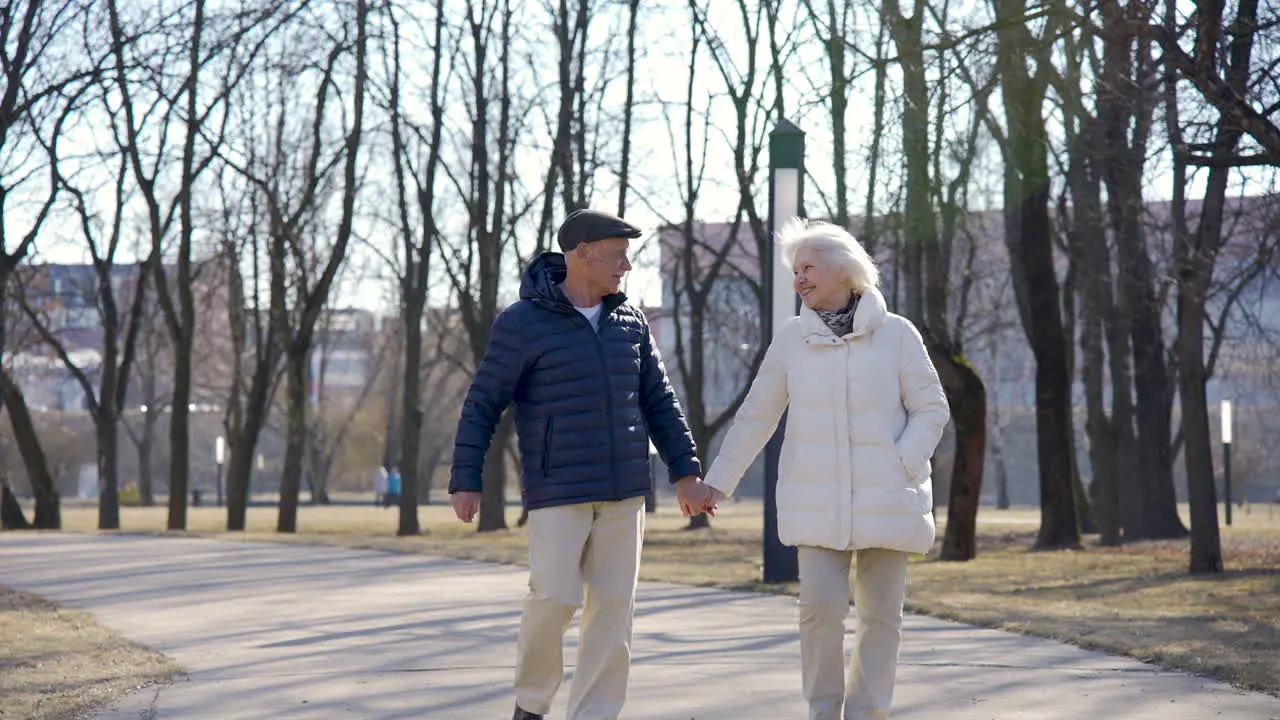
x,y
786,198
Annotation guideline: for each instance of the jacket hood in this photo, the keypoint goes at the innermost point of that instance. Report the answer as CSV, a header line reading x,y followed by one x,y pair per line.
x,y
541,281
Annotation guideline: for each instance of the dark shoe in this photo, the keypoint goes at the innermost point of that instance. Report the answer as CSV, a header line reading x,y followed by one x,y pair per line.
x,y
522,714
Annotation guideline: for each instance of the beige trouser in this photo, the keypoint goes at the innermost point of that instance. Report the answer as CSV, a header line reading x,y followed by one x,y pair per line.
x,y
879,591
596,545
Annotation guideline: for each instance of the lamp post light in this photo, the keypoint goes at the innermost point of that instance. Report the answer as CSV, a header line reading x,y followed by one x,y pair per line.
x,y
786,197
219,456
1226,455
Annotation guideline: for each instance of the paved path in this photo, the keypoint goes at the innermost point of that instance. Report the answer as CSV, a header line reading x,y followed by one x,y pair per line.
x,y
292,631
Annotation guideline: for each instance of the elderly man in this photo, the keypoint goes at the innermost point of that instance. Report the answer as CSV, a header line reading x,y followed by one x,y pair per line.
x,y
590,391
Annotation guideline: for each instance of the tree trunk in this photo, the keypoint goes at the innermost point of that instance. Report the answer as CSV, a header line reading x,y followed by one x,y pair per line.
x,y
295,441
1123,112
1180,235
179,435
870,238
1028,237
1206,547
244,443
238,479
624,174
48,515
1059,526
11,515
107,430
1087,243
1151,380
412,487
967,396
1194,266
562,144
182,319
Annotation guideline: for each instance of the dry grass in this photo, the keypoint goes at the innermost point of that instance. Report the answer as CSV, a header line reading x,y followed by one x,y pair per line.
x,y
56,663
1137,600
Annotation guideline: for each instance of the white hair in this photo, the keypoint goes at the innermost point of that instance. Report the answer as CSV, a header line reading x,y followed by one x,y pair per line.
x,y
835,244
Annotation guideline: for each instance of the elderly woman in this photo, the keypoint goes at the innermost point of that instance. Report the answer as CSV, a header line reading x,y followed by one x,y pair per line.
x,y
866,411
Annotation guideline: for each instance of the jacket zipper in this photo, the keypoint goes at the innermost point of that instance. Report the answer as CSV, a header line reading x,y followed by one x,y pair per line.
x,y
608,402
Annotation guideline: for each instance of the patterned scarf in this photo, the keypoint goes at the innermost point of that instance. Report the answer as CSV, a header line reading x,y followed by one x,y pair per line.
x,y
840,321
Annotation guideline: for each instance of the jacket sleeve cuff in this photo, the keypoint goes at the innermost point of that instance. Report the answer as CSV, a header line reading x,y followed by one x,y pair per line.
x,y
459,485
684,467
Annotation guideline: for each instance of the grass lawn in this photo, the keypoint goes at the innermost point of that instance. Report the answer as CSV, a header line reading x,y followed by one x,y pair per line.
x,y
1137,600
57,664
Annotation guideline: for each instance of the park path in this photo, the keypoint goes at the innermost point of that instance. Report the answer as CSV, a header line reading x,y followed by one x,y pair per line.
x,y
296,631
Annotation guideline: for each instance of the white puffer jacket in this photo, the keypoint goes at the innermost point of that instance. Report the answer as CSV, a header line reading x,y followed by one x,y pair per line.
x,y
865,413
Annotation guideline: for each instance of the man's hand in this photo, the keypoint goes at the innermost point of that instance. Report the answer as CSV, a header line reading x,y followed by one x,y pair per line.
x,y
695,497
465,505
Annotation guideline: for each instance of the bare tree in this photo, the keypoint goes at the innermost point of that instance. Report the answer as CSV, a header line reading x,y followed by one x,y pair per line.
x,y
932,223
1102,314
1123,104
295,178
745,84
40,92
254,331
1202,68
1028,235
311,296
1194,261
834,28
710,290
152,102
570,124
473,263
628,109
415,274
151,398
106,397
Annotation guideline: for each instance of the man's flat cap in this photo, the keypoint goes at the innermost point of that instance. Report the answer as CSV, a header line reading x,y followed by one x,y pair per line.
x,y
590,225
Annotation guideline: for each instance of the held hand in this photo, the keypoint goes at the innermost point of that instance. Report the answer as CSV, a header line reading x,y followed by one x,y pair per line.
x,y
714,497
465,505
691,494
697,497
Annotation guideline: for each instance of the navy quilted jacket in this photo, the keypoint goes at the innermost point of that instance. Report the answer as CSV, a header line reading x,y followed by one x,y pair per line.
x,y
587,402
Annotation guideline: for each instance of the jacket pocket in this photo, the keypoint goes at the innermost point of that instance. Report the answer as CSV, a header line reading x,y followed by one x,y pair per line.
x,y
548,436
546,448
907,472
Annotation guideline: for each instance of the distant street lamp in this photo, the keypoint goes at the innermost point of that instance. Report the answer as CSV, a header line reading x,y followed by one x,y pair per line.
x,y
1226,455
219,456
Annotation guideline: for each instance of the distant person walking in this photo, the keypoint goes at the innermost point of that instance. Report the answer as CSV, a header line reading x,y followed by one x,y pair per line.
x,y
380,486
393,487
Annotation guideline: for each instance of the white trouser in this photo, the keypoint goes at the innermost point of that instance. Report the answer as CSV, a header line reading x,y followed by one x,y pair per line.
x,y
879,590
591,544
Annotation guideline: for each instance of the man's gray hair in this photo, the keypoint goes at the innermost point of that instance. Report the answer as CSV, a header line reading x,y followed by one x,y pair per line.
x,y
836,244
